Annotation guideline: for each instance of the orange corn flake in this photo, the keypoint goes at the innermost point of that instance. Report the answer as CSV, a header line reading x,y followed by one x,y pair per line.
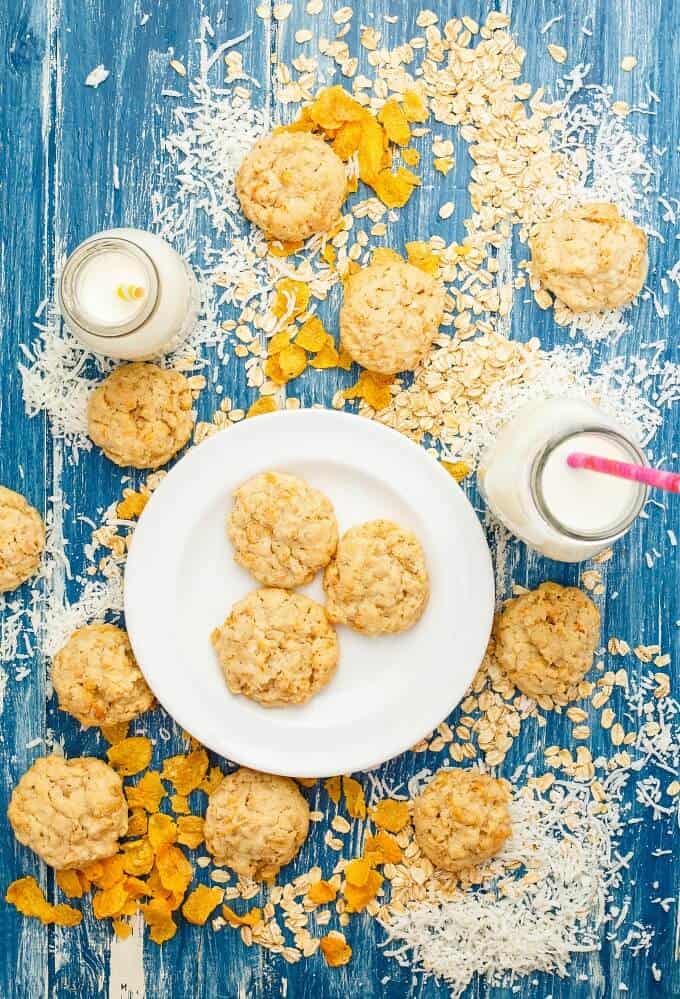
x,y
279,248
347,139
291,299
137,822
358,897
72,883
390,814
162,830
278,342
394,189
321,892
110,901
122,929
443,164
354,797
273,371
115,733
382,849
158,917
373,388
174,870
329,254
179,804
190,831
185,773
344,359
372,149
212,780
357,872
265,404
106,873
136,888
307,781
414,106
458,470
250,918
200,903
394,121
148,793
292,361
335,949
138,856
312,335
333,108
327,357
411,157
422,256
333,787
385,255
27,897
131,755
131,505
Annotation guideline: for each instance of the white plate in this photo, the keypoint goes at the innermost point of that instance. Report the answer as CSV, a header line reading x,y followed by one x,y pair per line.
x,y
388,692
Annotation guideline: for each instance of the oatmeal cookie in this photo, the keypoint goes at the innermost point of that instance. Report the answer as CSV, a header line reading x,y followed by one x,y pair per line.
x,y
22,540
390,316
256,823
590,258
282,530
545,641
96,677
292,185
276,647
462,818
141,415
377,583
69,812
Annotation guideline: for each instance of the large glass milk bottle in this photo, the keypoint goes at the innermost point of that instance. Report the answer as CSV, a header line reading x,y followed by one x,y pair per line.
x,y
564,513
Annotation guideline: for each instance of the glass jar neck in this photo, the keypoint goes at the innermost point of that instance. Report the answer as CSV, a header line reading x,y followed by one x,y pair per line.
x,y
76,311
612,531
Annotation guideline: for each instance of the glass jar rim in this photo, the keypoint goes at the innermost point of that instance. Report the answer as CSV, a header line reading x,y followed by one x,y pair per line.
x,y
637,455
68,297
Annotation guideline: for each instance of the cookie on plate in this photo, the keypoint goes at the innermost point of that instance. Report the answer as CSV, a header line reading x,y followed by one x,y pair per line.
x,y
462,818
276,647
283,531
141,415
256,823
378,582
22,540
96,677
292,185
590,258
545,641
69,812
390,315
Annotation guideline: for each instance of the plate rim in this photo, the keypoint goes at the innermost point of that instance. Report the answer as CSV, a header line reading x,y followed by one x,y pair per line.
x,y
192,457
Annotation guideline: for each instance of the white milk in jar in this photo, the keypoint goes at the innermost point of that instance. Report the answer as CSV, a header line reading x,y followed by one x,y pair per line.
x,y
126,293
565,513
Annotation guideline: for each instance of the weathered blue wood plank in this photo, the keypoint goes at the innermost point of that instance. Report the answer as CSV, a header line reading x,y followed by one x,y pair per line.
x,y
60,144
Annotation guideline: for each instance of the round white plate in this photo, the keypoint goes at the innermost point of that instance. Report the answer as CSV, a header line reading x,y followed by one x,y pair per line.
x,y
388,692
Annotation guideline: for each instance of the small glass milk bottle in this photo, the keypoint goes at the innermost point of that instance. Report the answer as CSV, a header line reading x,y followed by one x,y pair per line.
x,y
564,513
127,294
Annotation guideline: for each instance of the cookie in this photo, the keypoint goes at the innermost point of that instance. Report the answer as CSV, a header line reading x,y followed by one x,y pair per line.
x,y
276,647
292,185
545,641
255,823
462,818
96,677
69,812
283,531
140,415
22,540
378,582
590,258
390,315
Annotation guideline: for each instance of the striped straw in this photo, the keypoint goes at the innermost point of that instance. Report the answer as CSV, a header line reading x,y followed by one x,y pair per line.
x,y
669,481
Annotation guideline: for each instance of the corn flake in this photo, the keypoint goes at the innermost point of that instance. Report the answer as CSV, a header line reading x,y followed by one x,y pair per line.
x,y
279,248
321,892
292,361
148,793
394,121
250,918
411,157
458,470
372,149
212,780
138,856
278,342
291,299
394,189
174,870
382,849
373,388
162,830
131,755
200,903
335,949
131,505
115,733
327,357
265,404
390,814
385,255
190,831
357,872
106,873
179,804
358,897
333,787
334,107
414,106
354,797
185,773
72,883
312,335
137,822
122,929
27,897
110,901
422,256
347,139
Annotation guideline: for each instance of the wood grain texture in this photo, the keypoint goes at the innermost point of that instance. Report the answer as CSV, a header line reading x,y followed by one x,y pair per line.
x,y
60,141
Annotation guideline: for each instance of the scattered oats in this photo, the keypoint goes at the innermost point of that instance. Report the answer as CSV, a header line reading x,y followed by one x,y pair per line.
x,y
581,731
343,15
314,7
220,877
426,18
558,53
97,76
621,108
340,824
303,35
281,11
673,788
178,67
446,210
606,718
628,62
616,734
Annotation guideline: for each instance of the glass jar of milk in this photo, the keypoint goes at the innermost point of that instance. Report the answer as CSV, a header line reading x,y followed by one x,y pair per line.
x,y
126,293
564,513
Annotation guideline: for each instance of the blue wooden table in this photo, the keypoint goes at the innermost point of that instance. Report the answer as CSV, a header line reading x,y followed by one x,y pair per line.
x,y
60,144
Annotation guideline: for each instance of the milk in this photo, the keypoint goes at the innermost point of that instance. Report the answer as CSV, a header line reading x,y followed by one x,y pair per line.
x,y
127,294
564,513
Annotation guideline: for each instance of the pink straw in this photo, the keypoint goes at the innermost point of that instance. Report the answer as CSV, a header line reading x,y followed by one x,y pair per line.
x,y
670,481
